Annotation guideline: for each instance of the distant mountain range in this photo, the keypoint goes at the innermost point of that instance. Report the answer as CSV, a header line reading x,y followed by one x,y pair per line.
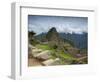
x,y
79,40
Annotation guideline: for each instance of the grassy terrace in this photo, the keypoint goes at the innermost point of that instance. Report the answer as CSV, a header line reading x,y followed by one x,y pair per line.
x,y
43,46
67,56
55,54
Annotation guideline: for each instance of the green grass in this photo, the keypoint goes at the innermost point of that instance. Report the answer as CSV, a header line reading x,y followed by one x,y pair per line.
x,y
65,55
43,46
55,53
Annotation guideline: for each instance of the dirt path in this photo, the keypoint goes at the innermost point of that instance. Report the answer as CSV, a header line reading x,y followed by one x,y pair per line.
x,y
33,62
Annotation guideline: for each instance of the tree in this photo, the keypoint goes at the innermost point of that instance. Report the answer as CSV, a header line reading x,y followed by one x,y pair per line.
x,y
31,38
31,34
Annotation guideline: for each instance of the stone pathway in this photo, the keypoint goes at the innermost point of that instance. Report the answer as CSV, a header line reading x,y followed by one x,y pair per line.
x,y
41,58
50,62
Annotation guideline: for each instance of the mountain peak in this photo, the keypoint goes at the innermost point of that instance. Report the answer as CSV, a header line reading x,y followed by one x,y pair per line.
x,y
53,29
52,34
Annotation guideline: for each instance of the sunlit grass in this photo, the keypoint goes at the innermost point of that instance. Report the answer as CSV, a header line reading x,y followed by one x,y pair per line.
x,y
43,46
57,53
66,56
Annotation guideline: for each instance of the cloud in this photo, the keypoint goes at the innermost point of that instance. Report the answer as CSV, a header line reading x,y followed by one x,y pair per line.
x,y
37,28
75,30
41,24
71,29
66,29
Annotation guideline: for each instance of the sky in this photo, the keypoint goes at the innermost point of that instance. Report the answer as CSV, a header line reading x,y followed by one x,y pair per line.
x,y
66,24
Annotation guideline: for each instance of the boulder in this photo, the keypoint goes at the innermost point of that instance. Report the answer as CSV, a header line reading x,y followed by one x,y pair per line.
x,y
44,55
50,62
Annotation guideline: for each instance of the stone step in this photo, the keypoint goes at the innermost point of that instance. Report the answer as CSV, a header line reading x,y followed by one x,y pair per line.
x,y
50,62
36,51
44,55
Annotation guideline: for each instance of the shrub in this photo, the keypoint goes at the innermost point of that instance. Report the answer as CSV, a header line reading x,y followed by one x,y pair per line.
x,y
55,46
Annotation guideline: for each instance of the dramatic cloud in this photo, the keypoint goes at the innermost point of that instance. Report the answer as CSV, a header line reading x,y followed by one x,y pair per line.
x,y
67,24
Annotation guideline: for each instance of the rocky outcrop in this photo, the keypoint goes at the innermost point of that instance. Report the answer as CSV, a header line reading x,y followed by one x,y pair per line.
x,y
44,55
51,62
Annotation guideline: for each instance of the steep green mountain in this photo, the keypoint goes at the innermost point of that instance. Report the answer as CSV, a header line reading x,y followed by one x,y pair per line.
x,y
55,41
76,40
52,35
